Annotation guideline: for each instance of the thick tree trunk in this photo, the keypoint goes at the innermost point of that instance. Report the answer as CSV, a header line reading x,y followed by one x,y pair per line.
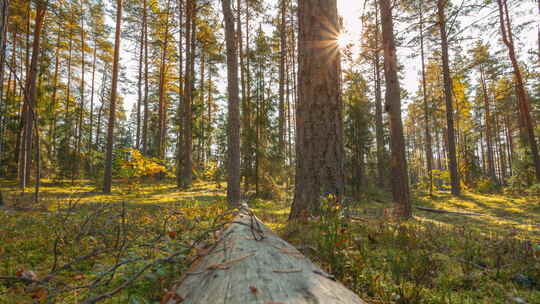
x,y
451,141
107,183
398,162
233,123
319,143
523,102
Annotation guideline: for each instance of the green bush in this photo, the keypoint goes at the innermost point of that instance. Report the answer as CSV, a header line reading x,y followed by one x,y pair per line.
x,y
486,186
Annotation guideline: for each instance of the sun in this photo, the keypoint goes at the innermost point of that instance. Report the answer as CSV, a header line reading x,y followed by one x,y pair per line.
x,y
343,40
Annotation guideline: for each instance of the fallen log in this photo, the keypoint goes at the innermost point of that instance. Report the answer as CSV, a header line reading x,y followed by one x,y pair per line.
x,y
448,212
250,264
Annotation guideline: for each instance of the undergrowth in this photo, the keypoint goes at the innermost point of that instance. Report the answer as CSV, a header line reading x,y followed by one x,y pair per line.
x,y
419,261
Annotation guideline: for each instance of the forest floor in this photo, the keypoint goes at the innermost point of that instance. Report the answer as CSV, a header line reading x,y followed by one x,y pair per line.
x,y
80,243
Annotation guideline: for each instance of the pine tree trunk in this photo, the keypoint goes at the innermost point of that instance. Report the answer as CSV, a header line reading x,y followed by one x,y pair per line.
x,y
398,162
427,133
181,79
145,99
489,132
187,166
379,129
162,106
283,54
523,103
107,184
233,123
31,95
319,143
451,141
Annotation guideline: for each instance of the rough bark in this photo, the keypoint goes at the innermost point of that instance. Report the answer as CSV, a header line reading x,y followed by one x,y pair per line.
x,y
451,141
31,95
398,162
187,162
107,183
319,142
233,123
523,102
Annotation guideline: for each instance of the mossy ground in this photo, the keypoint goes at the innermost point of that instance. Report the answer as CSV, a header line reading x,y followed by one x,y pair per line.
x,y
433,258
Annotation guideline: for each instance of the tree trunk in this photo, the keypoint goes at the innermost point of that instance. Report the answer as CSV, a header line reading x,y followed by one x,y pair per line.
x,y
489,132
523,102
319,143
379,129
451,141
107,184
233,123
187,164
31,95
398,162
181,79
283,54
145,99
427,133
162,107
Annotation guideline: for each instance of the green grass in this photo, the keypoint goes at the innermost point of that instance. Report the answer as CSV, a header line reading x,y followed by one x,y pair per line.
x,y
135,225
433,258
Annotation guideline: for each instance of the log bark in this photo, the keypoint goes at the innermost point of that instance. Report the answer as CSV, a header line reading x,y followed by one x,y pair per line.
x,y
250,264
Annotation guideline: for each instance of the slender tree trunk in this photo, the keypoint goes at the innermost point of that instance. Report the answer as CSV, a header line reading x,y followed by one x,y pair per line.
x,y
139,90
489,132
233,123
523,103
427,133
162,107
181,79
52,127
451,141
107,183
145,99
283,55
3,102
319,143
188,100
76,161
379,131
31,94
91,123
398,162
